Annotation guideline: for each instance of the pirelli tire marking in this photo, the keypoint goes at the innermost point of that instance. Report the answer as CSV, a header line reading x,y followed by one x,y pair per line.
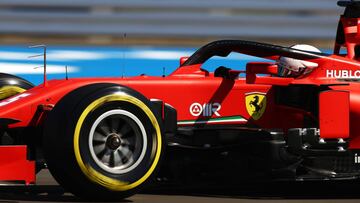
x,y
10,90
91,173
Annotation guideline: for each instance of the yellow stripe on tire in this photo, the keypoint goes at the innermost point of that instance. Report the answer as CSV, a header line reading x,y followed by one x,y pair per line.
x,y
95,176
10,90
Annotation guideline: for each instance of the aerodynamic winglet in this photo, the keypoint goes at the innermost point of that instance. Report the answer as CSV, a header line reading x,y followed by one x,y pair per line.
x,y
7,121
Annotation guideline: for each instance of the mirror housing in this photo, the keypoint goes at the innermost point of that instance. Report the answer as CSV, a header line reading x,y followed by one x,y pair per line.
x,y
183,60
269,69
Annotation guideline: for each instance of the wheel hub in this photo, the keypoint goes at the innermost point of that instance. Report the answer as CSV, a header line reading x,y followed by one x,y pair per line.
x,y
113,142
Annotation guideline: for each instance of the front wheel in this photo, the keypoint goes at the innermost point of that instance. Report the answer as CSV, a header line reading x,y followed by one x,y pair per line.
x,y
106,146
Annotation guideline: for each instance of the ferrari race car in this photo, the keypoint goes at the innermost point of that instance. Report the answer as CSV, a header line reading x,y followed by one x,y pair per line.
x,y
294,117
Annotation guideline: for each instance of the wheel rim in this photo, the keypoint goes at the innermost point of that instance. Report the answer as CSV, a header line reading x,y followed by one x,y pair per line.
x,y
117,141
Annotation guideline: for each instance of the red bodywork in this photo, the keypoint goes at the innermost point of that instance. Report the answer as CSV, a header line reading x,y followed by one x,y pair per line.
x,y
14,165
201,98
190,84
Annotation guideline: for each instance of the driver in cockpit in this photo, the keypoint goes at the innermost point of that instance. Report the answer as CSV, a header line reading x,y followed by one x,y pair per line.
x,y
290,67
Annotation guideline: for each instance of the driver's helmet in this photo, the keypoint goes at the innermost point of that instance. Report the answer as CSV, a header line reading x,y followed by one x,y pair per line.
x,y
290,67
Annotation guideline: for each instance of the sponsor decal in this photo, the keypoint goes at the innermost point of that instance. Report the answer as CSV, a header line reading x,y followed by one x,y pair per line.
x,y
255,104
12,99
343,74
357,159
206,110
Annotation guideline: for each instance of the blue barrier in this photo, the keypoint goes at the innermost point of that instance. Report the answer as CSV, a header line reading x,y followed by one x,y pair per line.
x,y
104,61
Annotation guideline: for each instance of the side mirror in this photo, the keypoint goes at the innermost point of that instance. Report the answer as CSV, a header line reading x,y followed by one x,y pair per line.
x,y
261,68
269,69
183,59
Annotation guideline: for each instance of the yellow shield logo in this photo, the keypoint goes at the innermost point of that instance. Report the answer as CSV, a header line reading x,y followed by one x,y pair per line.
x,y
255,104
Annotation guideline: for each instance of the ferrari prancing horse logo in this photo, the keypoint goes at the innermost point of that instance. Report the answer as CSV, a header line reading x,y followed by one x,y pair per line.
x,y
255,104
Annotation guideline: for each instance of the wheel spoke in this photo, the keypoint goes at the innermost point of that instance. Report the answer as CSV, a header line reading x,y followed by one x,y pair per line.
x,y
115,124
129,142
99,148
103,128
129,156
118,161
125,142
98,142
126,128
100,151
126,152
99,137
106,158
112,159
131,147
123,158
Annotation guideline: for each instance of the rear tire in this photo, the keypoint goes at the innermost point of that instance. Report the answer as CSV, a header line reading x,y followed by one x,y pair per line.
x,y
103,142
11,85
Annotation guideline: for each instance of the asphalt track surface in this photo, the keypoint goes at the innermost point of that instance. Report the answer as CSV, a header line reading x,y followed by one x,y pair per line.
x,y
48,190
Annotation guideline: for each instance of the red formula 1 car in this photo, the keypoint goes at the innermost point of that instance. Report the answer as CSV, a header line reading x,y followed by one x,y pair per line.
x,y
293,118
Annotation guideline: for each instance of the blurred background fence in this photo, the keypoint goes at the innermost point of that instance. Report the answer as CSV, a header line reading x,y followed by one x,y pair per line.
x,y
74,29
184,22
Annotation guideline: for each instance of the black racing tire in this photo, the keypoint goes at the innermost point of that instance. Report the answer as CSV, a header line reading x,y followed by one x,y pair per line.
x,y
76,146
11,85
